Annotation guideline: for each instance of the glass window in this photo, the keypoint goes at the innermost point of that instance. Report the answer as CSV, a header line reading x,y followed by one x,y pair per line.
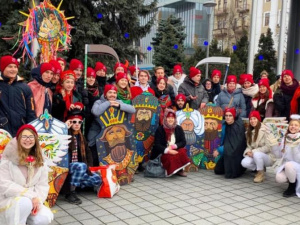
x,y
219,24
237,3
225,5
267,19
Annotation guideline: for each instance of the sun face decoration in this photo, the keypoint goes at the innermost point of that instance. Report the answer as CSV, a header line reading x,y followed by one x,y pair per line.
x,y
49,26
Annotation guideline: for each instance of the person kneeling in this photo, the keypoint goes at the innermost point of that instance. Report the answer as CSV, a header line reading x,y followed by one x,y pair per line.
x,y
80,158
170,142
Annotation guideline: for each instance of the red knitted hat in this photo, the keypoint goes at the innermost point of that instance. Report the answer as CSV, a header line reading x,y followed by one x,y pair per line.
x,y
75,64
171,114
56,65
194,71
132,69
68,74
287,72
24,127
230,110
120,65
6,60
177,69
47,66
216,73
100,66
180,96
121,76
62,59
231,78
255,114
109,87
246,77
90,72
264,82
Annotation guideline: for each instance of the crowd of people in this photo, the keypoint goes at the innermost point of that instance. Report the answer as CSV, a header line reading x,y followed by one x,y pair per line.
x,y
63,93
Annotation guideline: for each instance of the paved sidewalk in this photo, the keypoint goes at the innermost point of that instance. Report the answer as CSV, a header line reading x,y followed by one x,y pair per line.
x,y
201,198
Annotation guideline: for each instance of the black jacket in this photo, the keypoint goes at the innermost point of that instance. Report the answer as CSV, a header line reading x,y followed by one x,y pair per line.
x,y
160,142
170,88
16,105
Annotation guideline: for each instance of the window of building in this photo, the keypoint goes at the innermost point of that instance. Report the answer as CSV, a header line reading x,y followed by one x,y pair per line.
x,y
244,4
224,23
267,0
279,18
237,3
225,5
219,4
266,19
219,24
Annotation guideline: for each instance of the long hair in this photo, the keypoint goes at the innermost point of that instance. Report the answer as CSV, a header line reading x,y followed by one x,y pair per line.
x,y
121,90
249,132
265,96
287,133
35,151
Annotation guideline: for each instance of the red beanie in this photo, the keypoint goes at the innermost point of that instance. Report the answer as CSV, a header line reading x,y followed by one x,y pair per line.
x,y
161,78
255,114
109,87
6,60
171,114
246,77
194,71
230,110
75,64
287,72
231,78
24,127
177,69
100,66
75,117
121,76
264,82
216,73
180,96
120,65
132,69
90,72
68,74
63,60
56,65
47,66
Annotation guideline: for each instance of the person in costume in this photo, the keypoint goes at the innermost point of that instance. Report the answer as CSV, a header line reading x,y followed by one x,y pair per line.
x,y
56,74
233,143
207,84
40,87
180,102
24,181
289,170
249,89
215,78
258,153
263,100
141,84
122,84
65,96
284,95
16,100
193,90
80,158
108,99
100,70
232,96
170,144
177,78
62,62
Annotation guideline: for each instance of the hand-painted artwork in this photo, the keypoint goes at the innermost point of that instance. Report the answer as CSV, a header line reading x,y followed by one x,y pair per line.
x,y
145,122
5,137
54,139
164,102
275,120
212,136
56,179
192,123
116,144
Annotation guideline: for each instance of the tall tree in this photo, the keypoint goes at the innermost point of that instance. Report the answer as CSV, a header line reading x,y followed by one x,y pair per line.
x,y
265,59
168,43
242,49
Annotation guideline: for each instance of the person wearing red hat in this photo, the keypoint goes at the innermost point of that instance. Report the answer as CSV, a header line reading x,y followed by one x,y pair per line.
x,y
40,87
170,144
77,66
101,78
118,68
258,153
284,95
263,100
16,100
122,83
215,78
180,102
24,180
56,74
141,84
231,96
233,143
177,78
134,71
249,89
62,62
193,90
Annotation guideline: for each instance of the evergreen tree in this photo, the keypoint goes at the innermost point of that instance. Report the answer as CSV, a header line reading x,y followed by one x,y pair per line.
x,y
242,49
198,55
265,59
168,44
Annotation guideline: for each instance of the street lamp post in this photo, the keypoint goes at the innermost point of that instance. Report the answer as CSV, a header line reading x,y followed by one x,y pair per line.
x,y
209,6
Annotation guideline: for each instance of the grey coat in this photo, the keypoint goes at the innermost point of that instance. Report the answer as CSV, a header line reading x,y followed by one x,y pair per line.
x,y
188,88
238,101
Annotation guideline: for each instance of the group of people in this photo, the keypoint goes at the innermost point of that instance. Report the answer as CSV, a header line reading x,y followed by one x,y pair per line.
x,y
63,93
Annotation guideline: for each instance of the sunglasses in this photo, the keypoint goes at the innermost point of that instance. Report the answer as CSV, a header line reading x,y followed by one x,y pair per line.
x,y
75,121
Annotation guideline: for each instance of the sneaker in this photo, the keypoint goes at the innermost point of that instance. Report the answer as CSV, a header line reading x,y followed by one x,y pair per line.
x,y
72,198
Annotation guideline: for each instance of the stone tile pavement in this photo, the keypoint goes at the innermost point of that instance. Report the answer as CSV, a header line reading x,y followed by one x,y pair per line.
x,y
201,198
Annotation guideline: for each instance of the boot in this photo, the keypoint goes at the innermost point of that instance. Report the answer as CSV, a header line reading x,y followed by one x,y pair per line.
x,y
72,198
290,191
259,177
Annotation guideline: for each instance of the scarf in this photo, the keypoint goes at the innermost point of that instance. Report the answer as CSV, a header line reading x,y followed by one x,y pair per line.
x,y
289,90
169,129
251,91
68,99
93,89
123,95
78,145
